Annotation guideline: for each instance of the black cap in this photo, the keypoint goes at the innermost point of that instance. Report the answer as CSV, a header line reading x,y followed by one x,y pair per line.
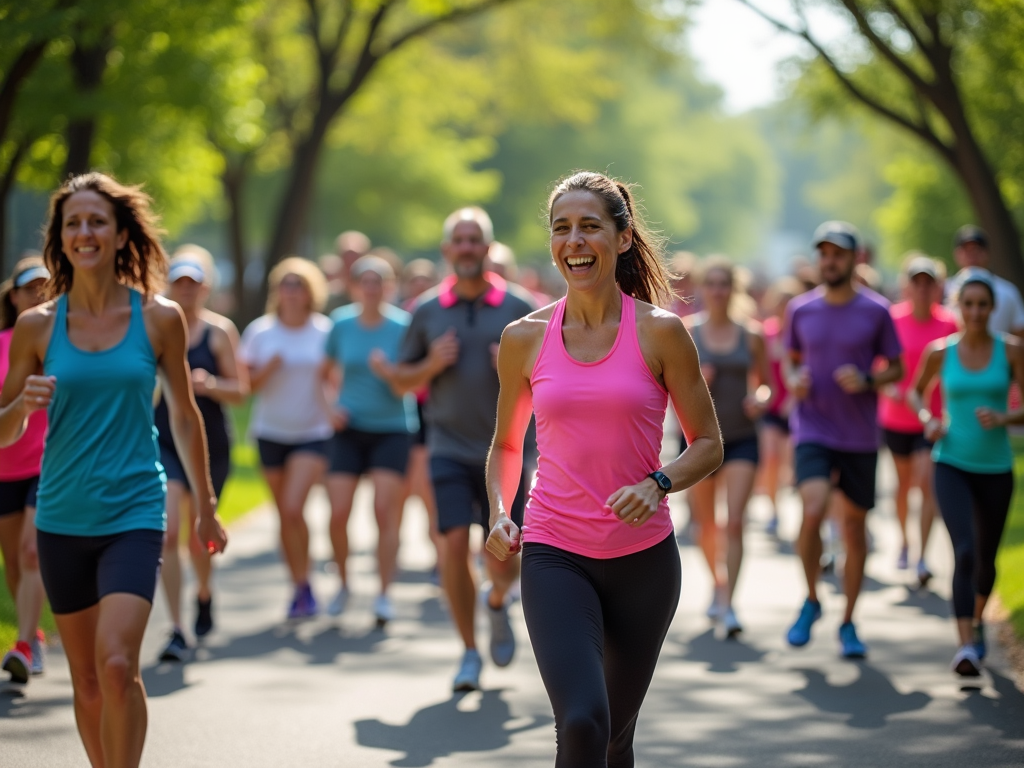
x,y
840,233
970,234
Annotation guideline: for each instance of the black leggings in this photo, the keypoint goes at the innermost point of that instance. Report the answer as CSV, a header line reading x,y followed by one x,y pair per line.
x,y
974,507
597,627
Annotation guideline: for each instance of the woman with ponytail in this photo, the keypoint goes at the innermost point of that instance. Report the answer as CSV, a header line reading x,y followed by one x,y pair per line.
x,y
600,572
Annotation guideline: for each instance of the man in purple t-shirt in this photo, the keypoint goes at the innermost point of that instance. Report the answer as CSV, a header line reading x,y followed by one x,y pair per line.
x,y
834,334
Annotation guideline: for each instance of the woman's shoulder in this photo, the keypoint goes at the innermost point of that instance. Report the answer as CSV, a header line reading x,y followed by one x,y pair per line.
x,y
220,326
37,320
652,319
530,327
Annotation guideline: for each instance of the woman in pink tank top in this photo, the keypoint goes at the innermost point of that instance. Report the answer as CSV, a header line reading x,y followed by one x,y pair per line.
x,y
19,478
600,573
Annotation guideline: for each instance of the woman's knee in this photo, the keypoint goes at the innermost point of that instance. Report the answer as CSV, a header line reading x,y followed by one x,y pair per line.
x,y
118,672
583,734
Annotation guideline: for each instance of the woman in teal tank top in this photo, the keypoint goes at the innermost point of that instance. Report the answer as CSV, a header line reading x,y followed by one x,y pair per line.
x,y
90,356
973,460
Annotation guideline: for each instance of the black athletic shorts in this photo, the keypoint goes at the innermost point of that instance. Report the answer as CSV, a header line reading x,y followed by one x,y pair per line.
x,y
355,452
776,420
852,472
744,449
460,491
220,467
273,455
78,571
15,495
906,443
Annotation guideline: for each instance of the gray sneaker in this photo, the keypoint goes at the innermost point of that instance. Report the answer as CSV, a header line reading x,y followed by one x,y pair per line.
x,y
468,677
503,641
37,655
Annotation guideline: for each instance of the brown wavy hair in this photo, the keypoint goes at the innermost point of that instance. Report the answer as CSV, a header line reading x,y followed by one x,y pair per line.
x,y
140,264
8,312
640,271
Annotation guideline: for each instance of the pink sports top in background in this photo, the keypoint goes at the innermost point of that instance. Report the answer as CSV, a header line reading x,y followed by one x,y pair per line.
x,y
599,428
23,459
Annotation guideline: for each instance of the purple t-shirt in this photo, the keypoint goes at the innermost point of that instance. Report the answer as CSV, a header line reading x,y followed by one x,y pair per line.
x,y
828,336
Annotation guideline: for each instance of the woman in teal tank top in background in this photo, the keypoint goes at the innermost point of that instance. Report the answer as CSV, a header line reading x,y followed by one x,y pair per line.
x,y
90,356
973,459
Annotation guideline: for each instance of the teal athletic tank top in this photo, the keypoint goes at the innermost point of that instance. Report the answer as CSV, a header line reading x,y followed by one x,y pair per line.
x,y
966,444
101,471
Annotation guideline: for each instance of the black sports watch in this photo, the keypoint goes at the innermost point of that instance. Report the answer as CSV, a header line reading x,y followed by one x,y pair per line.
x,y
662,480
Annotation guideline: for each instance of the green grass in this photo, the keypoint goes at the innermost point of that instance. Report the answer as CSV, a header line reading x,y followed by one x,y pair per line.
x,y
1010,563
245,490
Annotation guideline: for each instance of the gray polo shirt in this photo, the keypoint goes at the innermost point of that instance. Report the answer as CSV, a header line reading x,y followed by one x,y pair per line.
x,y
462,408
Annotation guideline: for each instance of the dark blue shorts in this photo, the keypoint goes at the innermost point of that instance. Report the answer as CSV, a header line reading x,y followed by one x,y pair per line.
x,y
852,472
461,494
906,443
220,467
355,452
273,455
78,571
15,495
776,420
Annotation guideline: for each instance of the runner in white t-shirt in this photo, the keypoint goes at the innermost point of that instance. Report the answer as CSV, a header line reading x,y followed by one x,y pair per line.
x,y
290,417
970,250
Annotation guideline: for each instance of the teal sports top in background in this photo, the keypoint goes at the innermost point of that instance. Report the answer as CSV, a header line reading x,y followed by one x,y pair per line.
x,y
101,471
967,445
370,402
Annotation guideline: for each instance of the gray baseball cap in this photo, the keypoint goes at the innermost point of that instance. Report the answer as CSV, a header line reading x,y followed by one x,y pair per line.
x,y
840,233
922,265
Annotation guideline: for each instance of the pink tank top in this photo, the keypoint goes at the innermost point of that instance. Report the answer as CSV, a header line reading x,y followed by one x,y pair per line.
x,y
599,428
23,459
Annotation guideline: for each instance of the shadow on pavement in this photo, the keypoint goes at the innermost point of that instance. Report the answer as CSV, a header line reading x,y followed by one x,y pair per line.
x,y
164,678
926,601
1005,714
443,729
324,647
433,611
869,700
16,701
721,656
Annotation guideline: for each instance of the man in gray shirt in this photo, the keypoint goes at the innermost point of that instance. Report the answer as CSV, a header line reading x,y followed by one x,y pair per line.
x,y
451,345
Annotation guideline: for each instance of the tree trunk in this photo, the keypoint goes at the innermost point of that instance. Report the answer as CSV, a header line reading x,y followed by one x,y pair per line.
x,y
19,70
6,185
292,213
87,66
233,181
982,187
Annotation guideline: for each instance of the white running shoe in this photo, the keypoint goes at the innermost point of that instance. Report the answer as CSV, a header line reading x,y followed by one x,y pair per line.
x,y
966,662
383,610
338,604
731,624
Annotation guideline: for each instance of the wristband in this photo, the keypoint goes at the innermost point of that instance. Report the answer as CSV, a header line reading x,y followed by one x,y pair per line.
x,y
869,380
924,416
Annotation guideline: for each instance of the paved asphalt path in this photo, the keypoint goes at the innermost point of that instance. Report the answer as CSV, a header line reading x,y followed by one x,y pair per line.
x,y
341,693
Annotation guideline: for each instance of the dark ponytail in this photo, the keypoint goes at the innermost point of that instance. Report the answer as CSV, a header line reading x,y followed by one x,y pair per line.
x,y
640,271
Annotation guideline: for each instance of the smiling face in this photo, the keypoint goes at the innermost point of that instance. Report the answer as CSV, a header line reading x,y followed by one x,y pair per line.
x,y
89,235
466,250
585,244
976,305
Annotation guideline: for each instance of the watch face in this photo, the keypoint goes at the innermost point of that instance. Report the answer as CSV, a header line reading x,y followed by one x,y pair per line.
x,y
663,482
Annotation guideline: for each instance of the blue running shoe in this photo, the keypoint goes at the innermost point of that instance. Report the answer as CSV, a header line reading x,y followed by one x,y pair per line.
x,y
468,676
800,633
978,641
852,647
309,604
